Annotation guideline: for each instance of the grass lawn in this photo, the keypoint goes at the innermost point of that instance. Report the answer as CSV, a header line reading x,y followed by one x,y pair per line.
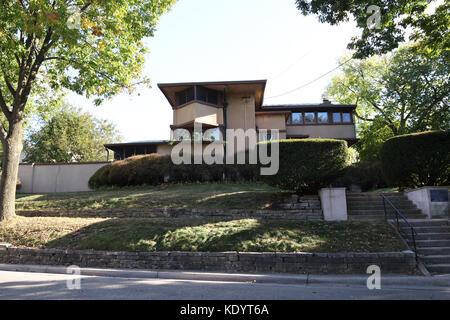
x,y
195,234
95,231
199,196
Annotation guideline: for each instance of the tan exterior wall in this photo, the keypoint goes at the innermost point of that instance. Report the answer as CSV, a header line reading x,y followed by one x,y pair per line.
x,y
198,112
272,121
324,131
164,149
241,111
54,178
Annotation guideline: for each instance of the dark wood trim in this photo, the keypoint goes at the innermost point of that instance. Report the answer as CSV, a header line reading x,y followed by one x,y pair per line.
x,y
200,102
192,122
282,131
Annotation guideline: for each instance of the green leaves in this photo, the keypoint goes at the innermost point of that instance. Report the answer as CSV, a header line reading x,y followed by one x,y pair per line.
x,y
70,136
403,92
396,19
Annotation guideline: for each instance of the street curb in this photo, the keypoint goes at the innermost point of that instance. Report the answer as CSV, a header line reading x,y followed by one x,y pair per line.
x,y
357,280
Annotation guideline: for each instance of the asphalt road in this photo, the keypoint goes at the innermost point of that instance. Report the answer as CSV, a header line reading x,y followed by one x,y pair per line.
x,y
24,285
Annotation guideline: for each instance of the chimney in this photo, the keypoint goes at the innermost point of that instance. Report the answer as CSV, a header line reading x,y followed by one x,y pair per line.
x,y
326,101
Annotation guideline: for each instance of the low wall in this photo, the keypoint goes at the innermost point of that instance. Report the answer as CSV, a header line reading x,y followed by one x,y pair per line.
x,y
297,215
59,177
297,263
433,201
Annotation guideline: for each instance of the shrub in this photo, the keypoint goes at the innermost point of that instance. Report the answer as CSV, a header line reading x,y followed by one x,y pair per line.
x,y
367,175
309,164
416,160
156,169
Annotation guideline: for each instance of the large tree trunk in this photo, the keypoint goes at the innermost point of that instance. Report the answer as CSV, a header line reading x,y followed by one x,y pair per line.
x,y
12,149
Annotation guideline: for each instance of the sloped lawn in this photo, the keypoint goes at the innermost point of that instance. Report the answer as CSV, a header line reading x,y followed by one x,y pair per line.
x,y
194,234
199,196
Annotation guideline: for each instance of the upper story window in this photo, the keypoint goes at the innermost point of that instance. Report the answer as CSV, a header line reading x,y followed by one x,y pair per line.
x,y
197,93
310,117
297,118
346,117
322,117
207,95
186,96
337,117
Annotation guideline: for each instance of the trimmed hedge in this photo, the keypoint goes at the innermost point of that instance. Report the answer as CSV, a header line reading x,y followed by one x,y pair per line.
x,y
305,166
308,165
156,169
416,160
367,175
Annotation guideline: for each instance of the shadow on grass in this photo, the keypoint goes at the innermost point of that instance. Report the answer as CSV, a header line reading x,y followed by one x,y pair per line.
x,y
199,196
247,235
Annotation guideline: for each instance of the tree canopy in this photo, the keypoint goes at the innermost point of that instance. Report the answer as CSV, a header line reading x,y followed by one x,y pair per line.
x,y
94,48
399,93
385,24
70,136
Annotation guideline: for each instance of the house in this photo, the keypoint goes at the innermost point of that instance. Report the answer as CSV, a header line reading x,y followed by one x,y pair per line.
x,y
218,106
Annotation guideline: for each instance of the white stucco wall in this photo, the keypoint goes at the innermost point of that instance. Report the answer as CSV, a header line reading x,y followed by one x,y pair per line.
x,y
50,178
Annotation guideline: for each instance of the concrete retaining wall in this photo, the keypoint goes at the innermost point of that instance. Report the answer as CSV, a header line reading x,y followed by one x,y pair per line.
x,y
297,263
61,177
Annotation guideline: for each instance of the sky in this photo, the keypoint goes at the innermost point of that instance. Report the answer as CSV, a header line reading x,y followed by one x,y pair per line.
x,y
216,40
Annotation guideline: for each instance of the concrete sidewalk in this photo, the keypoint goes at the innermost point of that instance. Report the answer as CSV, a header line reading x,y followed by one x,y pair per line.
x,y
308,279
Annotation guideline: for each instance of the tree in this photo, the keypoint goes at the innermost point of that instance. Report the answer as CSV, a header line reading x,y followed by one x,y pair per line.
x,y
399,93
91,47
385,24
70,136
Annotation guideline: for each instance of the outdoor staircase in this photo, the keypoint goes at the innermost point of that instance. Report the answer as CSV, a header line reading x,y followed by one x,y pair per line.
x,y
369,206
433,243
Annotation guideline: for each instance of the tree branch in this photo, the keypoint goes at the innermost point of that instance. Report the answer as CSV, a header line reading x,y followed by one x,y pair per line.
x,y
4,107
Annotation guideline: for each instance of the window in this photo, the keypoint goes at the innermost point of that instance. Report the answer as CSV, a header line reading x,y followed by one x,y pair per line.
x,y
297,118
185,96
207,95
347,118
310,117
322,117
337,118
212,135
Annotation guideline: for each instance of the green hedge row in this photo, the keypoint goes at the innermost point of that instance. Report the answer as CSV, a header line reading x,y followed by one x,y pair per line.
x,y
416,160
305,166
367,175
156,169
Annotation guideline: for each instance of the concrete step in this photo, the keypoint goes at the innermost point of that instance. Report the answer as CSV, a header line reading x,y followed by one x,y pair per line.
x,y
426,223
434,251
431,243
375,194
431,236
436,259
374,212
439,268
366,218
432,229
377,206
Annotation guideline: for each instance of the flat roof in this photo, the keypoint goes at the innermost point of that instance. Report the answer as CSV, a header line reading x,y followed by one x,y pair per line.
x,y
137,143
307,106
257,87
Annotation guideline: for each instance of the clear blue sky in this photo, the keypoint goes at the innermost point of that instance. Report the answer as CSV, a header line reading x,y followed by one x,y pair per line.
x,y
215,40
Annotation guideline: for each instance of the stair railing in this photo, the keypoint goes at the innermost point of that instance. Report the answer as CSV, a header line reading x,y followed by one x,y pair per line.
x,y
397,216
